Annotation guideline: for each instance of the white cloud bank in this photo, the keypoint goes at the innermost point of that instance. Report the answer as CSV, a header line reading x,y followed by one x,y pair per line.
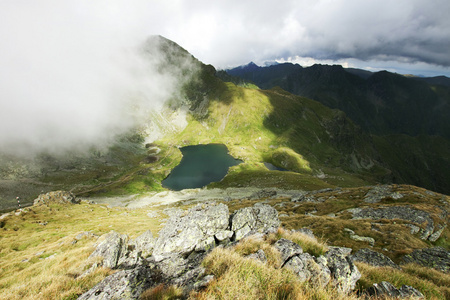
x,y
68,68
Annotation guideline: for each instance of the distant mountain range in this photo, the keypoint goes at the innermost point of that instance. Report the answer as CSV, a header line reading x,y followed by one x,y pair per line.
x,y
381,103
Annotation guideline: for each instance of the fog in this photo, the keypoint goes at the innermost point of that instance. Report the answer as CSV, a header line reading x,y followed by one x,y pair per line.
x,y
70,81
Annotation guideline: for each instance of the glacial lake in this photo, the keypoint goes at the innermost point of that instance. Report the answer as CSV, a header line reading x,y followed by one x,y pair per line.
x,y
200,165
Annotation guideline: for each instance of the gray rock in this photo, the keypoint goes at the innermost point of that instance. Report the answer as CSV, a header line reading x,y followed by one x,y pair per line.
x,y
397,212
343,272
437,258
414,229
124,284
183,233
303,198
62,197
173,265
365,239
373,258
259,218
386,289
145,243
203,282
111,249
224,235
437,234
206,245
258,255
307,269
288,249
378,193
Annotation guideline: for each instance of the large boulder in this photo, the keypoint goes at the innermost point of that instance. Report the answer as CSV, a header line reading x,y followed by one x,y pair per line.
x,y
124,284
343,272
437,258
308,268
373,258
304,265
259,218
182,234
287,249
145,243
61,197
112,248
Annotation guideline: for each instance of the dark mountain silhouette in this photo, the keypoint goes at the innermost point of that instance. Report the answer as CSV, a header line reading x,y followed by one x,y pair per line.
x,y
381,102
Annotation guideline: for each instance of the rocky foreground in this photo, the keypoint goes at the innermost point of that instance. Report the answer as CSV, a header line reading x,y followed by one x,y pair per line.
x,y
371,228
175,256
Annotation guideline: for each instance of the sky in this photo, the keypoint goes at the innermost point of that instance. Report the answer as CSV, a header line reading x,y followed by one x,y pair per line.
x,y
69,68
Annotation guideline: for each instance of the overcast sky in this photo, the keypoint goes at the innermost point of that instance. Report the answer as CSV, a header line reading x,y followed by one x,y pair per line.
x,y
65,66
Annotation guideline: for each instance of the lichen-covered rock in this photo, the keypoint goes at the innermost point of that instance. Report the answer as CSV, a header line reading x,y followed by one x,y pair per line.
x,y
287,249
359,238
145,243
124,284
259,218
437,258
112,248
378,193
386,289
62,197
397,212
373,258
183,233
308,269
343,272
437,234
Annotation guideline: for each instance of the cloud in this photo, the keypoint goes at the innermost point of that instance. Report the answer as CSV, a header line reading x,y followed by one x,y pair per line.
x,y
72,74
68,69
235,32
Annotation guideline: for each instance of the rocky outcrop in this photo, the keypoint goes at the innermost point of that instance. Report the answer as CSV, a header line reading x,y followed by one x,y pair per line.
x,y
358,238
437,258
386,289
194,231
373,258
259,218
175,257
112,249
124,284
378,193
343,272
398,212
62,197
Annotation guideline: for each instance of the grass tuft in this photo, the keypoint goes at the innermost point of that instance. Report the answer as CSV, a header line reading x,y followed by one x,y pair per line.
x,y
162,292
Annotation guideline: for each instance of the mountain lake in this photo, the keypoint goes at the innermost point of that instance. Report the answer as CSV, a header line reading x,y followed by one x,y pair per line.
x,y
200,165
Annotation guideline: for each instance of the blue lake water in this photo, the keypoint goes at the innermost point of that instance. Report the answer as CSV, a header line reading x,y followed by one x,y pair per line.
x,y
200,165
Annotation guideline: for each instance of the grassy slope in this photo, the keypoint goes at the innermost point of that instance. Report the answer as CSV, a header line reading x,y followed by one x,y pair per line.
x,y
256,125
25,244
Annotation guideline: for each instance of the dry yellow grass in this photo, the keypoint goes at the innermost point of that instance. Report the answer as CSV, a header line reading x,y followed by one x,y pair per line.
x,y
237,277
40,261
